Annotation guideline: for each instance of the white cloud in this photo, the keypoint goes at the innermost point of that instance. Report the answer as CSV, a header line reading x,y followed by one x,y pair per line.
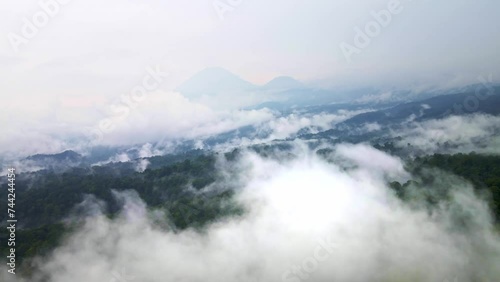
x,y
453,134
348,221
377,98
289,126
370,127
160,116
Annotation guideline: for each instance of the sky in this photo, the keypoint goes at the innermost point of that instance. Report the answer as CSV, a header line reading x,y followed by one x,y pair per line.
x,y
64,69
90,46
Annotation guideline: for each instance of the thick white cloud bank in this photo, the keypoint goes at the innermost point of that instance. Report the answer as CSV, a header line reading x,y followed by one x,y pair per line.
x,y
159,115
268,126
307,220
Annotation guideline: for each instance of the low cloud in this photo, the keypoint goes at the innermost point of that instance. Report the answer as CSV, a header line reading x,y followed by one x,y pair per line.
x,y
307,219
169,115
376,98
453,134
290,126
166,116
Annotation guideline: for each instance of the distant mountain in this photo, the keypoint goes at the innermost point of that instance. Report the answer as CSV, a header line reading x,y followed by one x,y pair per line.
x,y
52,162
282,91
394,117
282,83
435,107
212,81
66,156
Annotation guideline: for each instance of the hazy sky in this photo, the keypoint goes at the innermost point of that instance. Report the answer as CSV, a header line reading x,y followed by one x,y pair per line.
x,y
96,47
90,52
